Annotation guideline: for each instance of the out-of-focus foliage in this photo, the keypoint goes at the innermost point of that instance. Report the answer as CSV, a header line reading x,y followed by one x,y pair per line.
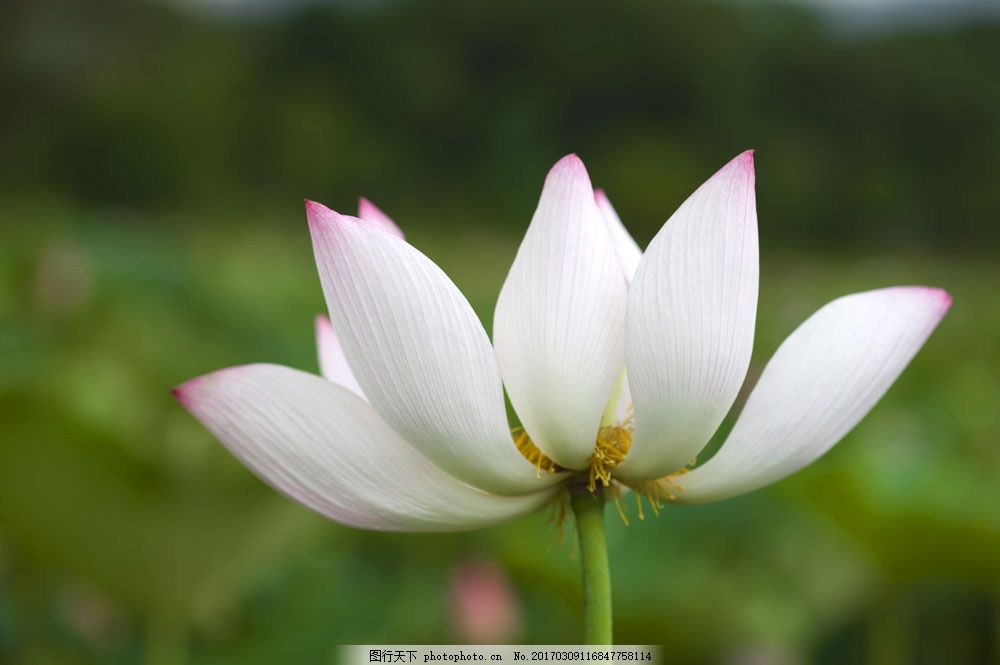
x,y
443,106
152,164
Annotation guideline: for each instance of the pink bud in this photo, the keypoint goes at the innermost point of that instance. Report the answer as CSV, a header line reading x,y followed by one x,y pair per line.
x,y
484,606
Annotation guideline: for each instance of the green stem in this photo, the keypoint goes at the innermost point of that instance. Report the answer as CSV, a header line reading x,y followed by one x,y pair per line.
x,y
588,509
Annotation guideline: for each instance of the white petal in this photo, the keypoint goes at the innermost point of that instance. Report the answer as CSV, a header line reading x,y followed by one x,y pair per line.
x,y
822,380
320,445
371,213
419,352
623,408
629,254
332,362
691,313
626,248
558,328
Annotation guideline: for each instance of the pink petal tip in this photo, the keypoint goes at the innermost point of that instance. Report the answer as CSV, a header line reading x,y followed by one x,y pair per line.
x,y
315,212
189,392
323,324
183,392
745,159
322,220
941,297
740,167
570,166
371,213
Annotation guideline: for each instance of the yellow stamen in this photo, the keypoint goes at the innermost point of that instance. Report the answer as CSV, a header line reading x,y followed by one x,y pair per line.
x,y
610,449
616,496
659,491
531,453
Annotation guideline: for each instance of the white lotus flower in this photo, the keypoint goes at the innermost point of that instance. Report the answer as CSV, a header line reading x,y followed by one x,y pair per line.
x,y
620,364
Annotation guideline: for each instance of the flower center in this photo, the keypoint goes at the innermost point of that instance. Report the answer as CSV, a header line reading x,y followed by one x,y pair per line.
x,y
610,449
611,446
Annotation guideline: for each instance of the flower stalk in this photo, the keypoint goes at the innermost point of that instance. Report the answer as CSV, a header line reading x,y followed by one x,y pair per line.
x,y
588,512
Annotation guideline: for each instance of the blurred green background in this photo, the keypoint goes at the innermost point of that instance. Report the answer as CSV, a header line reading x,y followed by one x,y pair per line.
x,y
153,162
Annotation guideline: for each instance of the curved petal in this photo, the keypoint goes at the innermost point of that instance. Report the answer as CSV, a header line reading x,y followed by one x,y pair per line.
x,y
320,445
690,326
821,381
371,213
626,248
629,254
623,407
332,362
558,328
418,352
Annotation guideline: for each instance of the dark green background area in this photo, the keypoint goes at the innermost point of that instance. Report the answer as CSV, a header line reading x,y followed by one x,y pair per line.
x,y
153,162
